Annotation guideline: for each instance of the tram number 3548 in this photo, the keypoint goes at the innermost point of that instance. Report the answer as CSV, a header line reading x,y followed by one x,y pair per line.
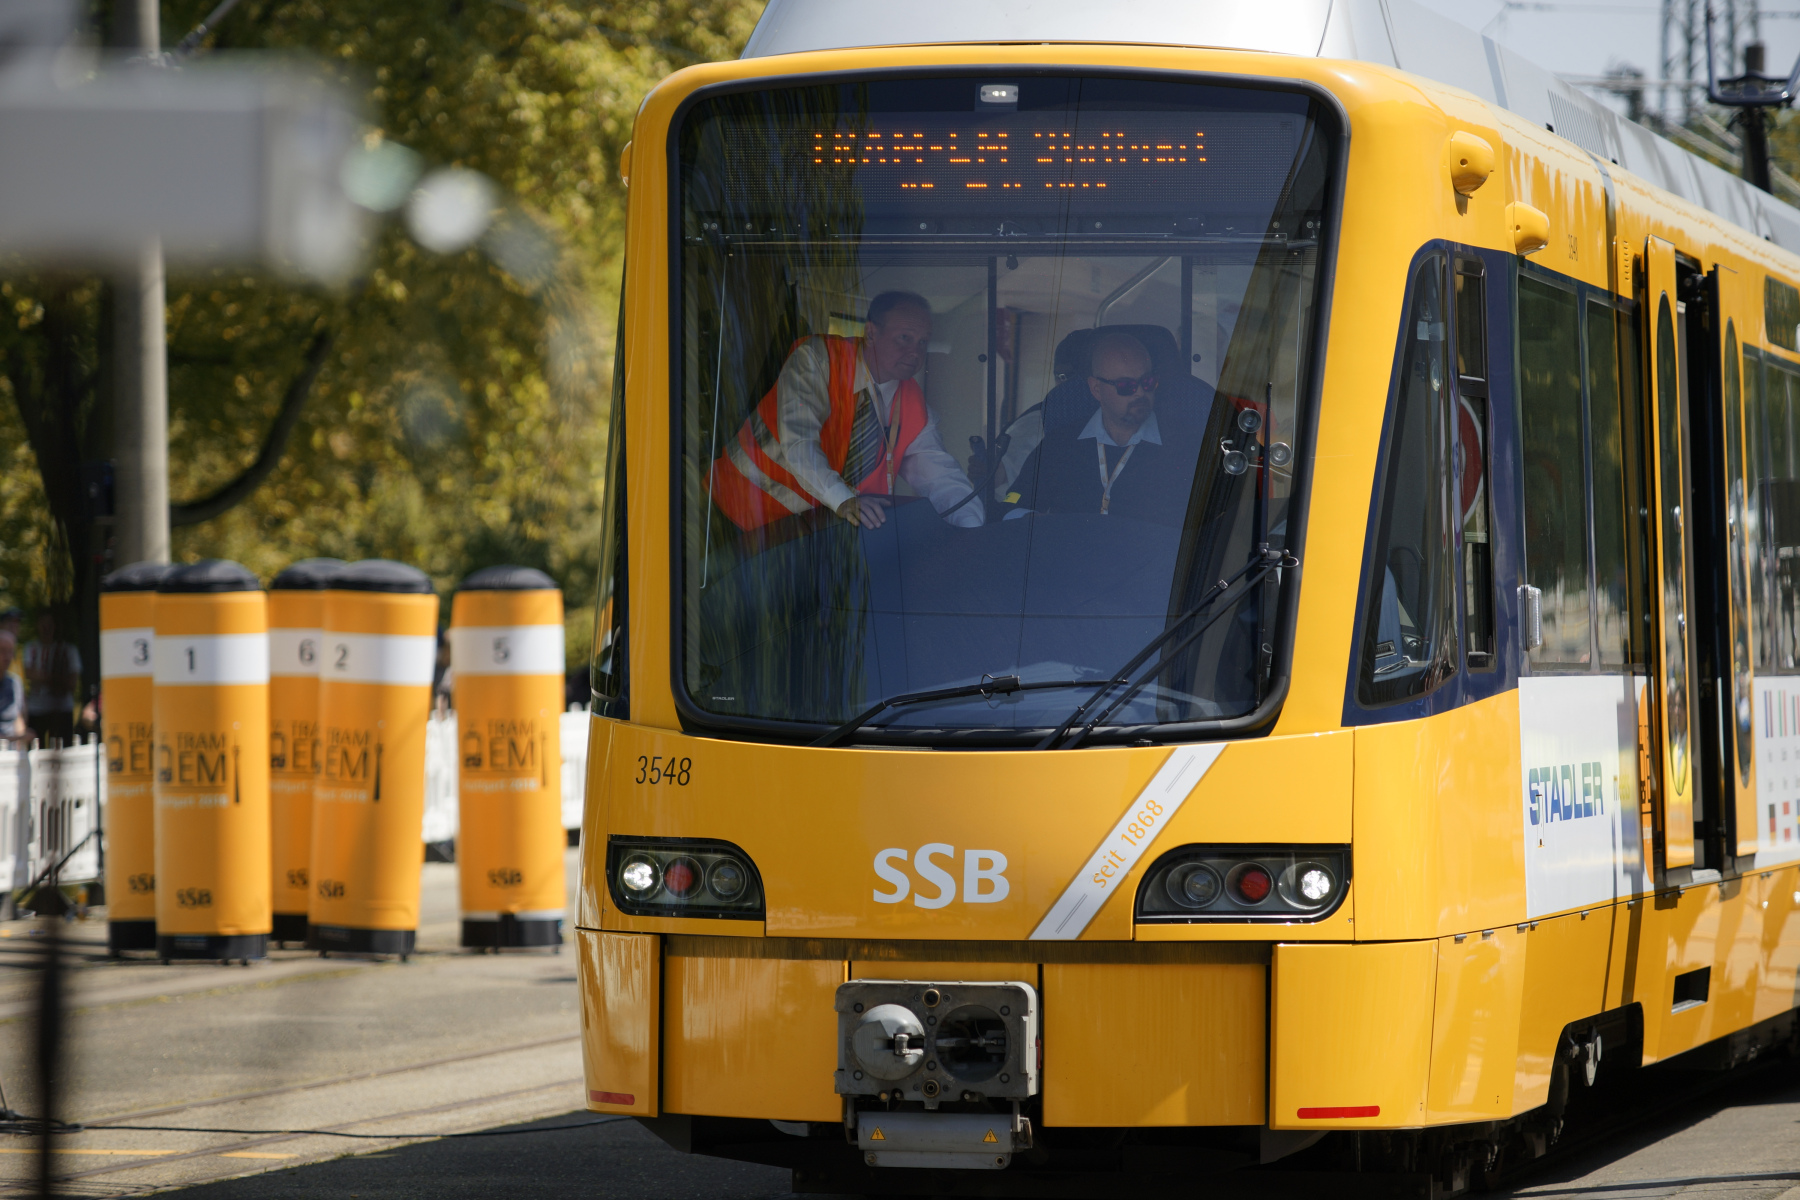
x,y
654,768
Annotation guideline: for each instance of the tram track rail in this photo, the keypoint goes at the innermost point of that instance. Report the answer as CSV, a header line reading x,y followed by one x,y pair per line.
x,y
142,1158
329,1081
28,1186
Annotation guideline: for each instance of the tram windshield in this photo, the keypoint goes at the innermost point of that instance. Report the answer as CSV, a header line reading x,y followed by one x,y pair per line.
x,y
990,377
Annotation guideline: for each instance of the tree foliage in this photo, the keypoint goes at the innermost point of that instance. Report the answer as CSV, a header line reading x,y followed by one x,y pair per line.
x,y
455,420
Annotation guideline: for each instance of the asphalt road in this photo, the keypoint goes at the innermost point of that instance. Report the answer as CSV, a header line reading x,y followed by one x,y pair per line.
x,y
1740,1140
616,1159
233,1056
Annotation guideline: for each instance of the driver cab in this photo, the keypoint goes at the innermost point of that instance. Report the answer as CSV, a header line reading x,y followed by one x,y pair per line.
x,y
1043,324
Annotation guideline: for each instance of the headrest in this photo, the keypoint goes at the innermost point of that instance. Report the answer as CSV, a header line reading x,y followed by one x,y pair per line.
x,y
1074,354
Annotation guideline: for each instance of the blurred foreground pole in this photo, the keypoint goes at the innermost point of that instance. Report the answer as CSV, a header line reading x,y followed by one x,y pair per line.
x,y
141,372
49,1046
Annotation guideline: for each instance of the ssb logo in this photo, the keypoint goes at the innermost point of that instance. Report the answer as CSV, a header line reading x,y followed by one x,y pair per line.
x,y
983,876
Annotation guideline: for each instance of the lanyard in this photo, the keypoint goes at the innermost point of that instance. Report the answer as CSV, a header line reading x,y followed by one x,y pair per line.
x,y
1107,481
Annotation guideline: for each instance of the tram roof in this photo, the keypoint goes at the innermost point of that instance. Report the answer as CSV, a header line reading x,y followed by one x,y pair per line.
x,y
1390,33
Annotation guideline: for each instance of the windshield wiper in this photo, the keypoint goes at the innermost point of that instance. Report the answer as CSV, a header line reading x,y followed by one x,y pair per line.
x,y
992,685
1263,563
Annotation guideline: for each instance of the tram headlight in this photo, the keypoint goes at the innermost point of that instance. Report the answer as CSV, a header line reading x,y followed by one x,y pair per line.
x,y
682,877
638,877
728,879
1245,883
1194,885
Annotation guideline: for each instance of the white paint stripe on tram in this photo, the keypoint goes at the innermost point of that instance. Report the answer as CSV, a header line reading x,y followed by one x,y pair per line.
x,y
1118,852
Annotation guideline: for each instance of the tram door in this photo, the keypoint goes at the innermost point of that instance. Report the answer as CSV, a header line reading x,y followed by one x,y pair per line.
x,y
1725,801
1671,552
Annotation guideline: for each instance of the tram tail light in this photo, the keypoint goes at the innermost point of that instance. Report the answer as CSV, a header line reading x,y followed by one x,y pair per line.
x,y
1283,884
682,877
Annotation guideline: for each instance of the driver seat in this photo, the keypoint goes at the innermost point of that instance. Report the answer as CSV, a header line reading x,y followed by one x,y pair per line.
x,y
1179,395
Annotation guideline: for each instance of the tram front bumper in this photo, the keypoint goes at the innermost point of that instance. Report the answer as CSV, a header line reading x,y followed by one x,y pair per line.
x,y
1131,1035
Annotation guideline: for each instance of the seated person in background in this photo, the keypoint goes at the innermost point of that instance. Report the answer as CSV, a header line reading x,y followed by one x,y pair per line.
x,y
1123,462
12,691
842,421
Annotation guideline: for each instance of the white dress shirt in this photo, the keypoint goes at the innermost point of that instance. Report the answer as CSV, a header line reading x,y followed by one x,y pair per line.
x,y
803,402
1149,431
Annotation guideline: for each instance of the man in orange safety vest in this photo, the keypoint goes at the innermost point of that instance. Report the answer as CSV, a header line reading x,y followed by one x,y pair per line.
x,y
844,419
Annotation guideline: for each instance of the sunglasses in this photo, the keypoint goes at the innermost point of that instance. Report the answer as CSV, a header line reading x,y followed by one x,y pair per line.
x,y
1129,387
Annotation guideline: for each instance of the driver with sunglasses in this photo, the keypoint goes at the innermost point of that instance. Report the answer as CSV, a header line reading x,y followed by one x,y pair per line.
x,y
1121,463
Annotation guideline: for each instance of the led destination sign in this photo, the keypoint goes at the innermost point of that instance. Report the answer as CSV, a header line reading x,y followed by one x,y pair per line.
x,y
1169,160
1041,161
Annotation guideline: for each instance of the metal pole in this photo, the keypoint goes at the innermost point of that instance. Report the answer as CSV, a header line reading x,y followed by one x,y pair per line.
x,y
1692,31
50,986
1668,61
993,355
1731,34
49,1048
1753,128
141,402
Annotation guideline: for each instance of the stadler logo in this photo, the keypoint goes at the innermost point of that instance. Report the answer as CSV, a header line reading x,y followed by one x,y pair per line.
x,y
1568,792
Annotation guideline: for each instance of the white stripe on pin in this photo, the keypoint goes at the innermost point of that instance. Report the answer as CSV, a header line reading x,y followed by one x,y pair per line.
x,y
295,651
210,660
125,653
404,660
506,649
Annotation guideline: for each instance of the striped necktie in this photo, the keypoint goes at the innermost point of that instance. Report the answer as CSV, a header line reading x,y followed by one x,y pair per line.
x,y
868,441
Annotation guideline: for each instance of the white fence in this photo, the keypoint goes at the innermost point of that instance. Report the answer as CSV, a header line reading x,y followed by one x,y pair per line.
x,y
441,773
50,811
440,778
51,800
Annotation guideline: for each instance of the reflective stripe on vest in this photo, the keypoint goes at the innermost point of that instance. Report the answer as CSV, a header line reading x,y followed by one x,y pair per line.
x,y
749,482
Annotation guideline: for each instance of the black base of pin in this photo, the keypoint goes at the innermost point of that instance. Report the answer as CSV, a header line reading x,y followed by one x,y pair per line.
x,y
223,947
289,927
343,939
509,932
130,935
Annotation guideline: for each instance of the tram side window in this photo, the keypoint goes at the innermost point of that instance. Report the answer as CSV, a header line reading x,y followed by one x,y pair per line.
x,y
1612,591
1555,497
1472,462
1781,511
607,673
1409,638
1762,644
1781,312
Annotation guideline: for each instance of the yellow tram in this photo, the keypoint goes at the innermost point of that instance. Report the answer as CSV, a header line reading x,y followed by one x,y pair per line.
x,y
1389,725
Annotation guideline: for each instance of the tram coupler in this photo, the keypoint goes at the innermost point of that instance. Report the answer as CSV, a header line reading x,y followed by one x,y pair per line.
x,y
907,1041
